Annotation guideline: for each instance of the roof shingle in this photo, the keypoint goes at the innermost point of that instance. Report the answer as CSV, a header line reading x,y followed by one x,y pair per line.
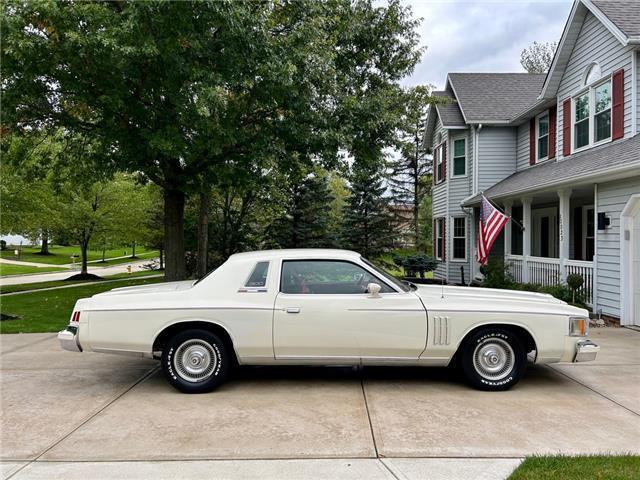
x,y
449,113
624,14
495,97
591,163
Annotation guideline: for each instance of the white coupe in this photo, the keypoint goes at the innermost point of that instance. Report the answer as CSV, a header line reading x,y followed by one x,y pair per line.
x,y
326,307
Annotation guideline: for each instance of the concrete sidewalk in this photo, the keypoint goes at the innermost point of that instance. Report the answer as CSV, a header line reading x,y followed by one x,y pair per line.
x,y
48,277
67,415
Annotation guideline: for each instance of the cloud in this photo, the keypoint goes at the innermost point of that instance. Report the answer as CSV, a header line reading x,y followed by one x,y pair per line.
x,y
482,36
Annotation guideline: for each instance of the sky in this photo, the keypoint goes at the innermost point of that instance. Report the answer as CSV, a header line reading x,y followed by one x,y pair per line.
x,y
481,35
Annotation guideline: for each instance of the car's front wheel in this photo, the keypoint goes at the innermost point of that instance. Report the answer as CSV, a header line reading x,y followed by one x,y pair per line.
x,y
196,361
493,359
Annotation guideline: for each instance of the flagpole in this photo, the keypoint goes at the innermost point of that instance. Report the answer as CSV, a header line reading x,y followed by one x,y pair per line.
x,y
502,211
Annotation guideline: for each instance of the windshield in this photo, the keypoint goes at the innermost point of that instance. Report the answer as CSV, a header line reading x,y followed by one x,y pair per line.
x,y
405,287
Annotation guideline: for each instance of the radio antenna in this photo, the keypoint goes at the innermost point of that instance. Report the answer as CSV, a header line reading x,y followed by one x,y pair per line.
x,y
442,288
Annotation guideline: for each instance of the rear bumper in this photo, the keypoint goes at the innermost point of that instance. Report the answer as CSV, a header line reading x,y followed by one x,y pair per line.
x,y
68,339
586,351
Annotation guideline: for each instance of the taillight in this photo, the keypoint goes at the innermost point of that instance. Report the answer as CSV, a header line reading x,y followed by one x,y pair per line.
x,y
75,317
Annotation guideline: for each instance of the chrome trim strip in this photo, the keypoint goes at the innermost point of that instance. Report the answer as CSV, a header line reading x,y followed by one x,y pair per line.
x,y
175,308
497,311
385,310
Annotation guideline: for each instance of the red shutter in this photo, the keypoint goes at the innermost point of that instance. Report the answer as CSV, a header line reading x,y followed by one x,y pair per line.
x,y
617,109
566,127
444,239
552,131
444,161
532,141
434,234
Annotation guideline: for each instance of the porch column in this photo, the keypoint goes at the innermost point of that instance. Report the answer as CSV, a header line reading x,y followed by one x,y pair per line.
x,y
526,237
508,204
564,221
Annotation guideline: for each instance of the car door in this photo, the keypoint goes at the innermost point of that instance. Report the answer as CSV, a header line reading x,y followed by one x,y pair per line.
x,y
323,311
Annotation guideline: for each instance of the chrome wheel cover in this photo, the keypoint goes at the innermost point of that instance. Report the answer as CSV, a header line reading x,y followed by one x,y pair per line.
x,y
493,359
195,360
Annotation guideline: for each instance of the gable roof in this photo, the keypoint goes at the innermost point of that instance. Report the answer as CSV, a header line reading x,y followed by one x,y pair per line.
x,y
621,18
494,97
615,156
450,114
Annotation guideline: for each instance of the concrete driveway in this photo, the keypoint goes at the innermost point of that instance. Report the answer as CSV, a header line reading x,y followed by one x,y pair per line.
x,y
66,415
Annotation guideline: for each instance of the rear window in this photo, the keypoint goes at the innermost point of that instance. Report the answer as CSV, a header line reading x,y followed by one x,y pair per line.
x,y
258,277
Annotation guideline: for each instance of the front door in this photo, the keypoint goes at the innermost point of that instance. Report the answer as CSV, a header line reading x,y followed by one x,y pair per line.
x,y
323,311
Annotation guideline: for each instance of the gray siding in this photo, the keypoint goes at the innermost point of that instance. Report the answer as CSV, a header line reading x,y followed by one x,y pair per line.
x,y
595,44
522,146
496,155
638,91
459,189
612,197
439,202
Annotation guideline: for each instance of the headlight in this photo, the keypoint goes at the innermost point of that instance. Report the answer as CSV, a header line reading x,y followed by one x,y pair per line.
x,y
578,326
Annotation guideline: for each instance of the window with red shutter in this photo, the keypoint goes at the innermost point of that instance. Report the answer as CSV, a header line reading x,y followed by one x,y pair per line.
x,y
617,111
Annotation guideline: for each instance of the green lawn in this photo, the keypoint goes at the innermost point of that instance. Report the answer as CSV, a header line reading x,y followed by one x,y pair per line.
x,y
8,269
60,283
49,311
117,261
62,255
578,468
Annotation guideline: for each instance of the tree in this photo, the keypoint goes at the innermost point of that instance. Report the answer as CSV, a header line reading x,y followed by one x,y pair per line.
x,y
410,167
537,58
305,222
103,209
368,228
177,89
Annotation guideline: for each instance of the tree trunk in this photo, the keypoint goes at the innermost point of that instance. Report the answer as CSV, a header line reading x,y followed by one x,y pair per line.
x,y
104,251
84,246
174,235
203,235
162,259
44,248
133,250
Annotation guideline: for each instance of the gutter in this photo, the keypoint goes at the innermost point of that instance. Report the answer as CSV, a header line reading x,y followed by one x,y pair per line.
x,y
476,136
597,175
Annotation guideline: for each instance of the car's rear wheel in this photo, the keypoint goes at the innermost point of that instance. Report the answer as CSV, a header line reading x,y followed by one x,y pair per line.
x,y
493,359
196,361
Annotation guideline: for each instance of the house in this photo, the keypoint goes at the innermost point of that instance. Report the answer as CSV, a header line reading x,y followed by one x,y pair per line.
x,y
560,153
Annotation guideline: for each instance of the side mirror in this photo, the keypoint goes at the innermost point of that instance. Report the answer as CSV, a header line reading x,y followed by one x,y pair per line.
x,y
374,290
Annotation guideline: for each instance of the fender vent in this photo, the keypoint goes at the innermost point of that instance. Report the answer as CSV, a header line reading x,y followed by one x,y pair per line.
x,y
441,333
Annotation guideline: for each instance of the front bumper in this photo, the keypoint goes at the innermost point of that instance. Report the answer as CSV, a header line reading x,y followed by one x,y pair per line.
x,y
586,351
69,339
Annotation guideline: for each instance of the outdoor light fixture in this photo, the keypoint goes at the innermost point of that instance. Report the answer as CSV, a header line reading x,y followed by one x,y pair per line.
x,y
603,221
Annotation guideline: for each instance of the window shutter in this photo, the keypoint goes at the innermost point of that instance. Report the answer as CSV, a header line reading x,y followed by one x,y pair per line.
x,y
434,234
532,141
444,239
553,111
617,107
444,161
566,127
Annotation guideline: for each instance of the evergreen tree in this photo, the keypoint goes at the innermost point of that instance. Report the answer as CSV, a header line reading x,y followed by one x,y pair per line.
x,y
410,168
306,223
368,226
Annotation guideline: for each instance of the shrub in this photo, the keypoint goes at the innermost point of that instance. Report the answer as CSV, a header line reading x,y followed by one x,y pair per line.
x,y
418,264
496,275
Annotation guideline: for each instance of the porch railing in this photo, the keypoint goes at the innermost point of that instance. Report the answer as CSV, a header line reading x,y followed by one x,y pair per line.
x,y
548,271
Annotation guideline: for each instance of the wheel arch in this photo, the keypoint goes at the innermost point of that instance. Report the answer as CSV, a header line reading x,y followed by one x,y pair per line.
x,y
171,329
523,332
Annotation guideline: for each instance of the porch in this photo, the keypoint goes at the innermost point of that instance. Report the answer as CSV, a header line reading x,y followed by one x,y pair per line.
x,y
552,237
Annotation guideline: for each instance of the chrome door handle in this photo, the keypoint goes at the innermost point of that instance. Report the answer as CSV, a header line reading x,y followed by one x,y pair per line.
x,y
293,310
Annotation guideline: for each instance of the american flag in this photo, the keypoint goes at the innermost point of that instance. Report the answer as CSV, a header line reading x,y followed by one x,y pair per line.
x,y
491,223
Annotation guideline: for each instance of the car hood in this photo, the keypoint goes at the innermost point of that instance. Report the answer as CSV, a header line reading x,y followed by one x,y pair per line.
x,y
153,288
493,299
